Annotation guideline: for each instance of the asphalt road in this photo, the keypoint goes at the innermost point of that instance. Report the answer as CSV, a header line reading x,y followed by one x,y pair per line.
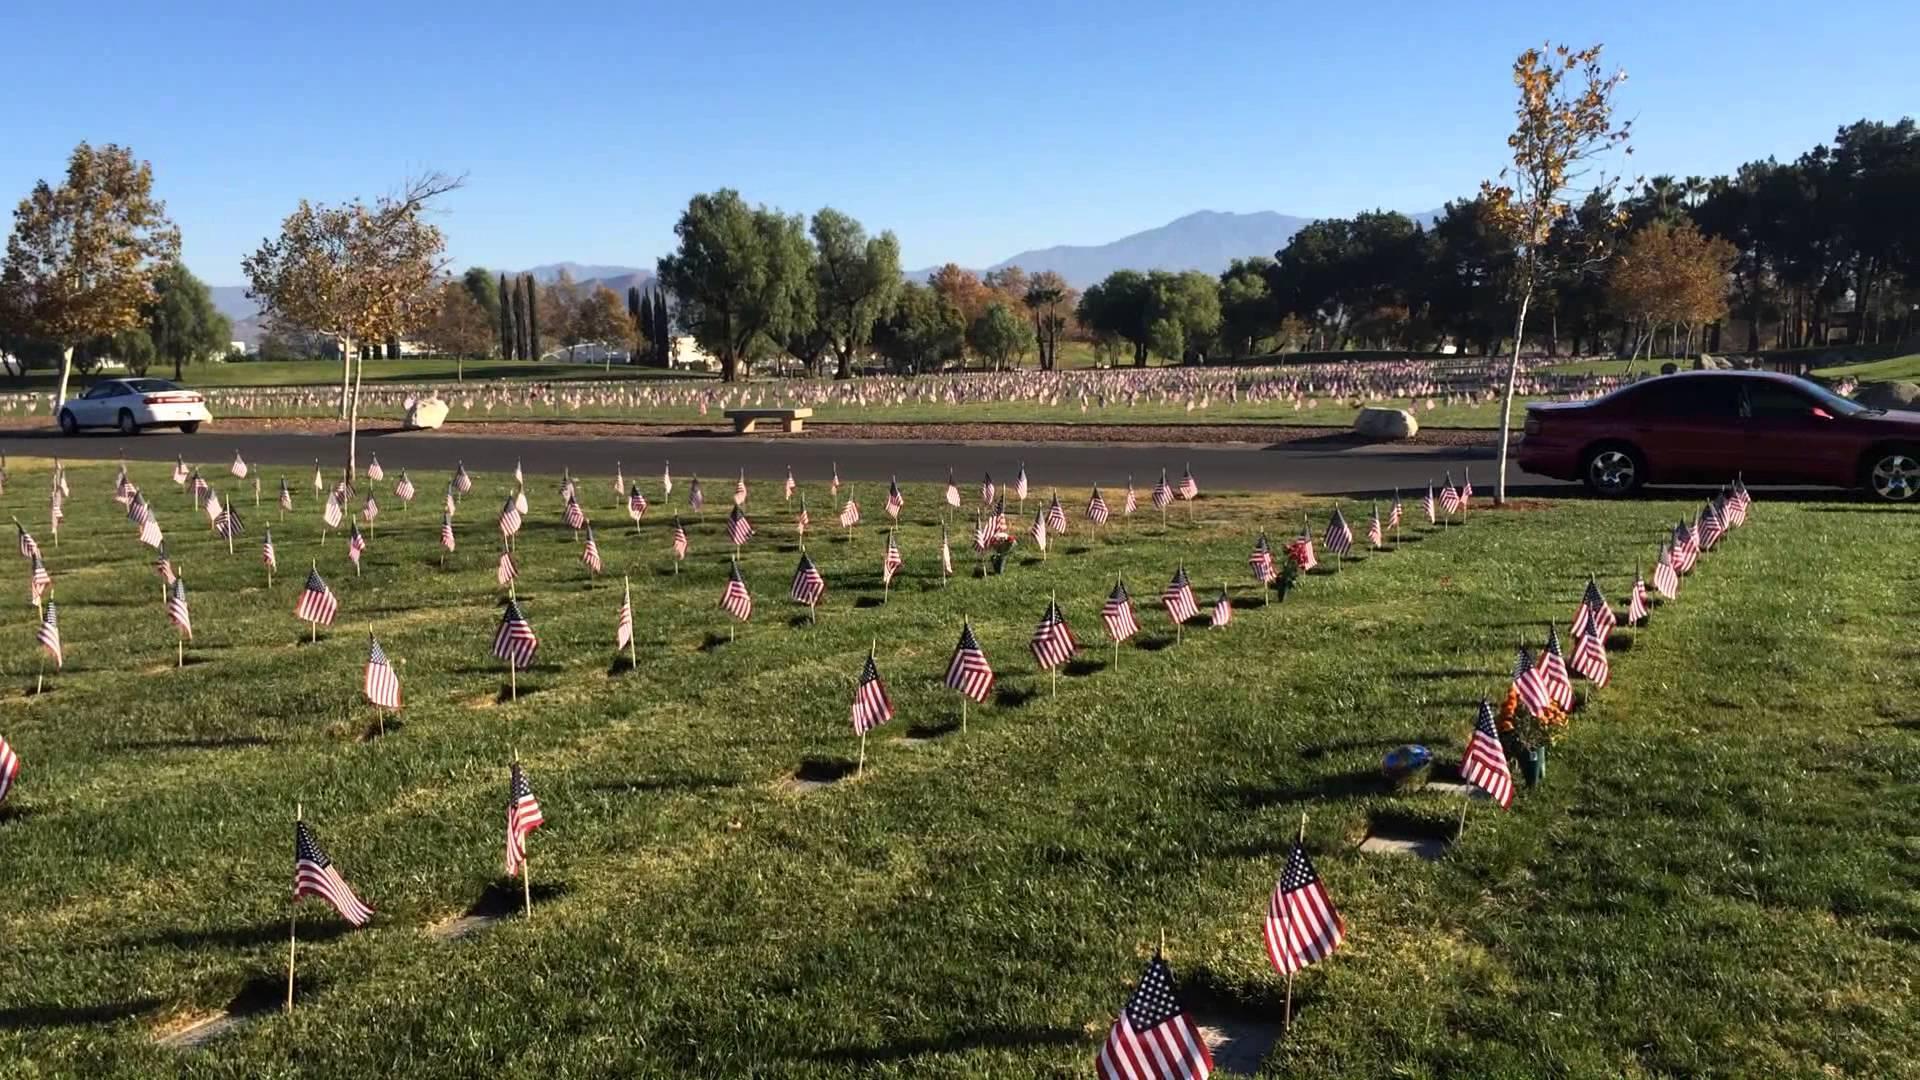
x,y
1341,470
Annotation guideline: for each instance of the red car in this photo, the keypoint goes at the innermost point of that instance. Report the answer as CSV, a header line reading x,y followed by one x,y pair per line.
x,y
1710,426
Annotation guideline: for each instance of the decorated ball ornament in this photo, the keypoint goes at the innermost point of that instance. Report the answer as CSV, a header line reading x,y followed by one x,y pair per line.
x,y
1404,761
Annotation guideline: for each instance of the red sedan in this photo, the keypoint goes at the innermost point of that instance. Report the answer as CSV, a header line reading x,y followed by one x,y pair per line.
x,y
1709,426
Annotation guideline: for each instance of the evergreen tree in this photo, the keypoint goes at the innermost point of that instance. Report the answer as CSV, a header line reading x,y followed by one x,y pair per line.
x,y
508,337
662,329
640,311
532,299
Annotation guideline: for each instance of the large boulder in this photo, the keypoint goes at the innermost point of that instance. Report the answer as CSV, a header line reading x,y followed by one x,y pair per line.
x,y
1386,424
1888,395
1709,362
426,414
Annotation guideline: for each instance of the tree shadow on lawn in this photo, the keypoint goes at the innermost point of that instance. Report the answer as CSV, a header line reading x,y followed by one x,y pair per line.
x,y
1012,697
921,729
1320,750
1080,667
1356,784
193,742
507,896
319,928
28,1017
958,1042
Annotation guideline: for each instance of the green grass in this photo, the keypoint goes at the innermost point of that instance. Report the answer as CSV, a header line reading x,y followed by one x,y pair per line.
x,y
1897,368
1717,878
325,373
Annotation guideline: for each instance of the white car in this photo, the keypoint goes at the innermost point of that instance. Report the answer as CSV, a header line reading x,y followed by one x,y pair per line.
x,y
132,404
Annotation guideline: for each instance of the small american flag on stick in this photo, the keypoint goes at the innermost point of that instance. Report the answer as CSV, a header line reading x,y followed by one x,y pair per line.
x,y
808,585
871,705
1637,601
514,641
523,816
1117,614
380,684
1052,643
177,612
1154,1038
315,875
1097,507
316,605
735,600
49,634
968,671
1302,925
1485,763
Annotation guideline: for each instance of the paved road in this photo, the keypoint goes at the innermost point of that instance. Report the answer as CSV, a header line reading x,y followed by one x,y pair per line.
x,y
1232,468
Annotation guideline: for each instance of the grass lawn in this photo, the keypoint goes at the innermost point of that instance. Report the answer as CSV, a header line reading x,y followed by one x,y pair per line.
x,y
1718,877
327,373
1901,368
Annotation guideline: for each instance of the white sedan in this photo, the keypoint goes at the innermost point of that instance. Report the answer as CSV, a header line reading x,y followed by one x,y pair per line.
x,y
132,404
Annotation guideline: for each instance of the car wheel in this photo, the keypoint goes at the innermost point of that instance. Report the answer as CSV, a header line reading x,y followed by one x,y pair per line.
x,y
190,427
1892,474
68,425
1613,470
127,424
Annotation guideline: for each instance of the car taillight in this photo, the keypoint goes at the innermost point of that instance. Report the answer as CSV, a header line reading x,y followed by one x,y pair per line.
x,y
1533,423
172,399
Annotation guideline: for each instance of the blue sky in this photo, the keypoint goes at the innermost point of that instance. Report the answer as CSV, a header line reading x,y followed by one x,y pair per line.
x,y
973,131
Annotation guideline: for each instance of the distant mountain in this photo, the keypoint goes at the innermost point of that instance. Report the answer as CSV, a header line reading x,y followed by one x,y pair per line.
x,y
1207,240
584,272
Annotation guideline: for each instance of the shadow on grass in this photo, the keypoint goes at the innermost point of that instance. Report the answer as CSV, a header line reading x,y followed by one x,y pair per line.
x,y
925,730
1359,783
953,1043
506,897
816,769
194,742
1079,666
713,641
382,726
316,928
1011,697
865,602
620,666
649,784
1155,644
27,1017
16,813
1320,750
1445,673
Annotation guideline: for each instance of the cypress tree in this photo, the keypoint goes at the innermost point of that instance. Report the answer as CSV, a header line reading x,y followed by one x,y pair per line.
x,y
507,343
533,317
662,331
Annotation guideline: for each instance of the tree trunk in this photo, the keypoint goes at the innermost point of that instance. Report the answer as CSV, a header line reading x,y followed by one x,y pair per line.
x,y
1506,404
843,365
353,420
66,372
346,374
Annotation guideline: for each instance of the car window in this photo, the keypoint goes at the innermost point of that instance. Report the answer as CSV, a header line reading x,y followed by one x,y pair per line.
x,y
1765,399
1690,399
102,390
152,386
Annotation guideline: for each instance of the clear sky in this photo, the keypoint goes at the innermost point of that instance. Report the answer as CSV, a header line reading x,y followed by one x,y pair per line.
x,y
973,130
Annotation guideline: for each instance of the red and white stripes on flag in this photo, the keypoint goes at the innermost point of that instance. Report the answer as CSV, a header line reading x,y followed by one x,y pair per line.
x,y
894,499
1666,581
735,600
507,571
1177,598
331,513
515,641
1637,609
1188,490
523,816
1553,671
1485,763
1153,1038
1117,614
1097,507
590,552
381,685
576,517
679,538
787,486
808,585
177,612
1260,561
48,635
1302,926
1594,613
1162,494
1590,657
1222,610
1053,642
315,875
850,513
890,563
739,529
636,503
871,705
374,472
267,555
623,622
953,491
446,531
317,603
968,671
9,769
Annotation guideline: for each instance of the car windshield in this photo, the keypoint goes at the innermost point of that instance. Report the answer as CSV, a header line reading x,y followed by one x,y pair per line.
x,y
1829,400
151,386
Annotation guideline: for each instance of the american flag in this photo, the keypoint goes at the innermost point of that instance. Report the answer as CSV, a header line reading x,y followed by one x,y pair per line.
x,y
286,495
520,500
319,482
506,572
1131,502
1222,609
1375,535
1177,598
968,671
987,490
850,513
315,875
28,546
1038,530
1097,507
696,498
267,555
739,529
227,524
1261,560
946,555
787,488
49,634
332,513
736,600
199,488
1450,497
808,585
590,552
1665,580
316,603
1154,1038
1339,537
449,505
356,543
1532,690
523,816
953,491
9,768
890,562
1686,548
679,538
576,517
871,705
446,531
1485,762
894,499
369,509
163,564
666,479
514,641
1466,487
636,503
180,470
404,490
1056,516
1302,926
1637,601
1162,494
519,477
39,581
211,506
623,623
803,520
1426,504
1117,613
833,484
1052,642
997,524
381,685
1737,504
1713,524
1590,657
740,489
1188,489
177,607
619,479
1394,514
1553,671
509,519
1020,484
1300,552
1594,613
462,482
982,534
374,472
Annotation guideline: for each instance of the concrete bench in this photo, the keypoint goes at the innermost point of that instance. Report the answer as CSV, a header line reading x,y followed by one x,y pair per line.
x,y
745,420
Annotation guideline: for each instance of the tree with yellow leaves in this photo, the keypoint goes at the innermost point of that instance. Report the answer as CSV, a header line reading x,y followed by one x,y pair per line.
x,y
1670,274
1565,123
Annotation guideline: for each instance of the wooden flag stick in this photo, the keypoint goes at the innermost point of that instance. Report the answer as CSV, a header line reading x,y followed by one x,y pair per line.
x,y
313,631
526,883
513,681
40,679
861,765
1461,826
1286,1024
293,922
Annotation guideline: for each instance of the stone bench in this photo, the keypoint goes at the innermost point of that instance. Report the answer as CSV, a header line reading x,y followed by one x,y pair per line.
x,y
745,420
